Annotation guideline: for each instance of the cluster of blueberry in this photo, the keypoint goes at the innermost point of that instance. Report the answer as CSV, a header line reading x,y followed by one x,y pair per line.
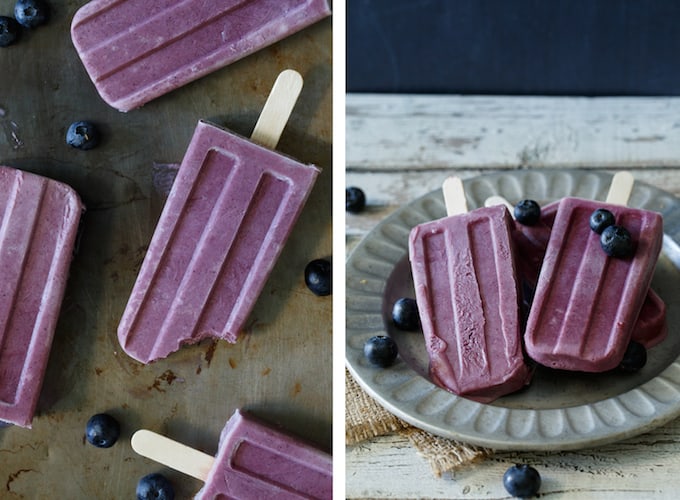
x,y
102,430
28,14
616,240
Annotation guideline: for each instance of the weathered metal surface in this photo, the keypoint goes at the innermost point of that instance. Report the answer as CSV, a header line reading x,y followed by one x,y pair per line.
x,y
280,369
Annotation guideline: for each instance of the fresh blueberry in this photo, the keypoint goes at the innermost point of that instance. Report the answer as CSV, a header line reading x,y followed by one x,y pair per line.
x,y
31,13
381,350
522,481
155,487
355,200
634,358
82,135
318,277
601,219
405,314
617,242
9,31
102,430
527,212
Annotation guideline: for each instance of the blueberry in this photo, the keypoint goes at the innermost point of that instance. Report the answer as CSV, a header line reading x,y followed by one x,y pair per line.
x,y
9,31
634,358
82,135
601,219
155,487
31,13
616,241
405,314
102,430
318,277
522,481
381,350
527,212
355,200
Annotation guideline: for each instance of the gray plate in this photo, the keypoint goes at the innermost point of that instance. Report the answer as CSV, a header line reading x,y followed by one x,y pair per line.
x,y
559,410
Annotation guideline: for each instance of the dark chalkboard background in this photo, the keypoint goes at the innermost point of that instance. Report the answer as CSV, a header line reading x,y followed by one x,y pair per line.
x,y
549,47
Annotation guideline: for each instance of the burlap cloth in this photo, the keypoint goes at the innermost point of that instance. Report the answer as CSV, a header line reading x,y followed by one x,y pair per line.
x,y
366,419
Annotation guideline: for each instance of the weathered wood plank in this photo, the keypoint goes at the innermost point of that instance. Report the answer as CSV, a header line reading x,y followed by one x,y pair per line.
x,y
388,132
638,468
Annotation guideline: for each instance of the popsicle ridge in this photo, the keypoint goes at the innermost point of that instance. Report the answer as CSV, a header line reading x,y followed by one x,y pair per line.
x,y
198,281
176,14
587,272
194,300
162,268
437,249
15,244
271,464
473,352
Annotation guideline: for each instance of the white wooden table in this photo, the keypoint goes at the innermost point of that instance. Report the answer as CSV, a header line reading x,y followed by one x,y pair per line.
x,y
402,146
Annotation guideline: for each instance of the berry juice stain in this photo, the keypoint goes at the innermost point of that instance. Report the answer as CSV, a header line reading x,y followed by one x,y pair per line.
x,y
163,175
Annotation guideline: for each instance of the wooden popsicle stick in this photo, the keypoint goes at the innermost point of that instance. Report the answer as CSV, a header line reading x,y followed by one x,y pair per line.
x,y
277,109
454,196
494,200
620,188
176,455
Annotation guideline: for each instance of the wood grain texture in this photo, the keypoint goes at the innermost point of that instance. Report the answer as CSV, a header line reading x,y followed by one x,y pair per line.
x,y
388,132
400,147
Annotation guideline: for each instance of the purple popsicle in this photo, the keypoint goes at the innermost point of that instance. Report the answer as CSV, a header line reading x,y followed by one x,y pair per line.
x,y
530,243
464,276
135,50
586,302
40,220
254,460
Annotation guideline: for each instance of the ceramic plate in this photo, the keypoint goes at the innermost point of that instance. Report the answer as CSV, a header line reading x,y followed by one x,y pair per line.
x,y
559,410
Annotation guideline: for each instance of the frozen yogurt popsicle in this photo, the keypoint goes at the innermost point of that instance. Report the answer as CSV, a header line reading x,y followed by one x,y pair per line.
x,y
136,50
39,222
464,275
530,245
586,303
231,208
254,460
